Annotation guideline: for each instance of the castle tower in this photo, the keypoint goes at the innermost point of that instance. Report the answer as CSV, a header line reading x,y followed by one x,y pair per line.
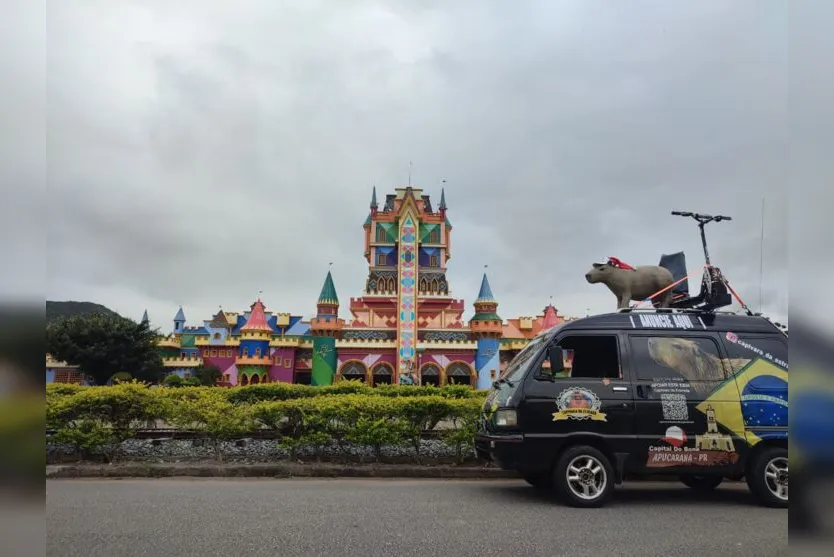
x,y
407,300
325,327
179,322
550,318
487,327
253,360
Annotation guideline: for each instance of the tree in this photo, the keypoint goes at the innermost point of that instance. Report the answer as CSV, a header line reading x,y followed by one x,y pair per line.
x,y
102,345
207,374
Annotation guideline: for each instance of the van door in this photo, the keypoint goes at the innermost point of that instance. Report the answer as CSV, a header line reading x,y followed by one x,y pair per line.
x,y
760,368
591,396
679,403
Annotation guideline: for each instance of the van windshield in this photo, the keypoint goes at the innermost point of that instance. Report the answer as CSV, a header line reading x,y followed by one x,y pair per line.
x,y
518,366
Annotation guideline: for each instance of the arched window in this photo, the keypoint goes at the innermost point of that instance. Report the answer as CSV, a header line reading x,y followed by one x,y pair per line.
x,y
354,371
430,375
458,373
383,374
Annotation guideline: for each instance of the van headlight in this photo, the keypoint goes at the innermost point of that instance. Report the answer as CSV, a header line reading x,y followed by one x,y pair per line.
x,y
506,418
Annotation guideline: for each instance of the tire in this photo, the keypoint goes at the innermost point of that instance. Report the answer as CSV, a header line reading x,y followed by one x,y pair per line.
x,y
592,477
541,481
701,483
767,477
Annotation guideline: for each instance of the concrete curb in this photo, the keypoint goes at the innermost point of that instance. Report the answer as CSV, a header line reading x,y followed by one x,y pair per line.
x,y
272,470
287,470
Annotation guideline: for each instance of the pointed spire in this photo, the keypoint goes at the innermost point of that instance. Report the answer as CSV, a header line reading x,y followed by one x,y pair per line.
x,y
373,200
328,291
485,294
145,317
180,316
442,205
550,320
257,318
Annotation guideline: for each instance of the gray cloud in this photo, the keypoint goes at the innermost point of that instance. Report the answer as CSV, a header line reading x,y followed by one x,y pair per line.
x,y
201,151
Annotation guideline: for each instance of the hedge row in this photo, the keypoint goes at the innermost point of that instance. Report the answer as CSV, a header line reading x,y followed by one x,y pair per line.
x,y
101,418
287,391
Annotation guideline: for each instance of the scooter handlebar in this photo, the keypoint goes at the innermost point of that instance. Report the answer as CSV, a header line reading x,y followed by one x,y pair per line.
x,y
701,217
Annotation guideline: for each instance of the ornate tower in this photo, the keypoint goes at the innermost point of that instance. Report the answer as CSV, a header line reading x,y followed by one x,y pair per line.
x,y
325,327
550,318
179,322
254,360
486,326
406,300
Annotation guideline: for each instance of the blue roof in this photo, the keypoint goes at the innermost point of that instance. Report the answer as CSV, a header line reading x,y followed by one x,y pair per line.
x,y
180,316
299,328
485,294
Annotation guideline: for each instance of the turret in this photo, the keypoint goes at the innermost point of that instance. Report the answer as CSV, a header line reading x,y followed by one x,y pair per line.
x,y
442,206
327,322
486,320
179,321
325,327
487,327
550,319
374,205
254,358
145,317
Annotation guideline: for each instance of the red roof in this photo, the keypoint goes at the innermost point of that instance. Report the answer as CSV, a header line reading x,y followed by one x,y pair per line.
x,y
257,319
550,319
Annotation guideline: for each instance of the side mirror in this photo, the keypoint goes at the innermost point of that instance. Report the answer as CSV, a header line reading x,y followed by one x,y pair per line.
x,y
556,356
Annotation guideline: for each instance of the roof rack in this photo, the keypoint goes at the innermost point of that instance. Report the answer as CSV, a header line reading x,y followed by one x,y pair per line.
x,y
675,310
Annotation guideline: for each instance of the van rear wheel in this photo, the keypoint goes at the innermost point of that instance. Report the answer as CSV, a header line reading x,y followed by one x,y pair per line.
x,y
701,483
583,477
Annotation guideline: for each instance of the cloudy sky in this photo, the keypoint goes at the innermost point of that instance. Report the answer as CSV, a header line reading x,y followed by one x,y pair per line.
x,y
201,151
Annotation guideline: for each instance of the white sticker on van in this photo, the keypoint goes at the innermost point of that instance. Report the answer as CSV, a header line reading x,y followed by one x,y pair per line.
x,y
732,337
666,321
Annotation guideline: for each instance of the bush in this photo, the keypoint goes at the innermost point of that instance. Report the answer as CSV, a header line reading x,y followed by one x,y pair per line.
x,y
102,418
212,414
349,413
173,380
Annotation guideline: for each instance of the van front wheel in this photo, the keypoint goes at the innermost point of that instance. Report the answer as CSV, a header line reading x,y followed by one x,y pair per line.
x,y
583,477
768,477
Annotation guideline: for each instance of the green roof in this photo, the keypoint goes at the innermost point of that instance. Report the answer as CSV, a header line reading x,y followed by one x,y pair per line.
x,y
492,316
328,291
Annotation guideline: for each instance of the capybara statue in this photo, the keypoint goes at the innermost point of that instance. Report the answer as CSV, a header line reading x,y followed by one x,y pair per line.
x,y
633,284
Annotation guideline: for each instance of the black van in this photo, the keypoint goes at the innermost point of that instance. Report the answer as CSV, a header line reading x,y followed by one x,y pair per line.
x,y
700,395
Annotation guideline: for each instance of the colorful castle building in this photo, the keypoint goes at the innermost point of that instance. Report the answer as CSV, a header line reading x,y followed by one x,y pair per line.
x,y
406,328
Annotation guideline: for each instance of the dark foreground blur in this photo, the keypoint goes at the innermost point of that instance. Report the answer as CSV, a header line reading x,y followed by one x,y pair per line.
x,y
811,432
22,426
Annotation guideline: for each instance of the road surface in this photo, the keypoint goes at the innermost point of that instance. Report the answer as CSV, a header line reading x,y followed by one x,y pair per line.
x,y
368,518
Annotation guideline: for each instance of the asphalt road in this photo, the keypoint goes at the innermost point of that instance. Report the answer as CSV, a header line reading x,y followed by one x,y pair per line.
x,y
367,518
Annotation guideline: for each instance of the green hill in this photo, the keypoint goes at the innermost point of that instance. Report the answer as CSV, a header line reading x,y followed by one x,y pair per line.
x,y
57,310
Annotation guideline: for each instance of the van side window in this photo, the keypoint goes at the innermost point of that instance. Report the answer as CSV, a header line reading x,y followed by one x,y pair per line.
x,y
695,359
589,357
745,349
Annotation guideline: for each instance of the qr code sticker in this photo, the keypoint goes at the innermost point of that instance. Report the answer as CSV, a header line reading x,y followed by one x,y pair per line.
x,y
674,407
